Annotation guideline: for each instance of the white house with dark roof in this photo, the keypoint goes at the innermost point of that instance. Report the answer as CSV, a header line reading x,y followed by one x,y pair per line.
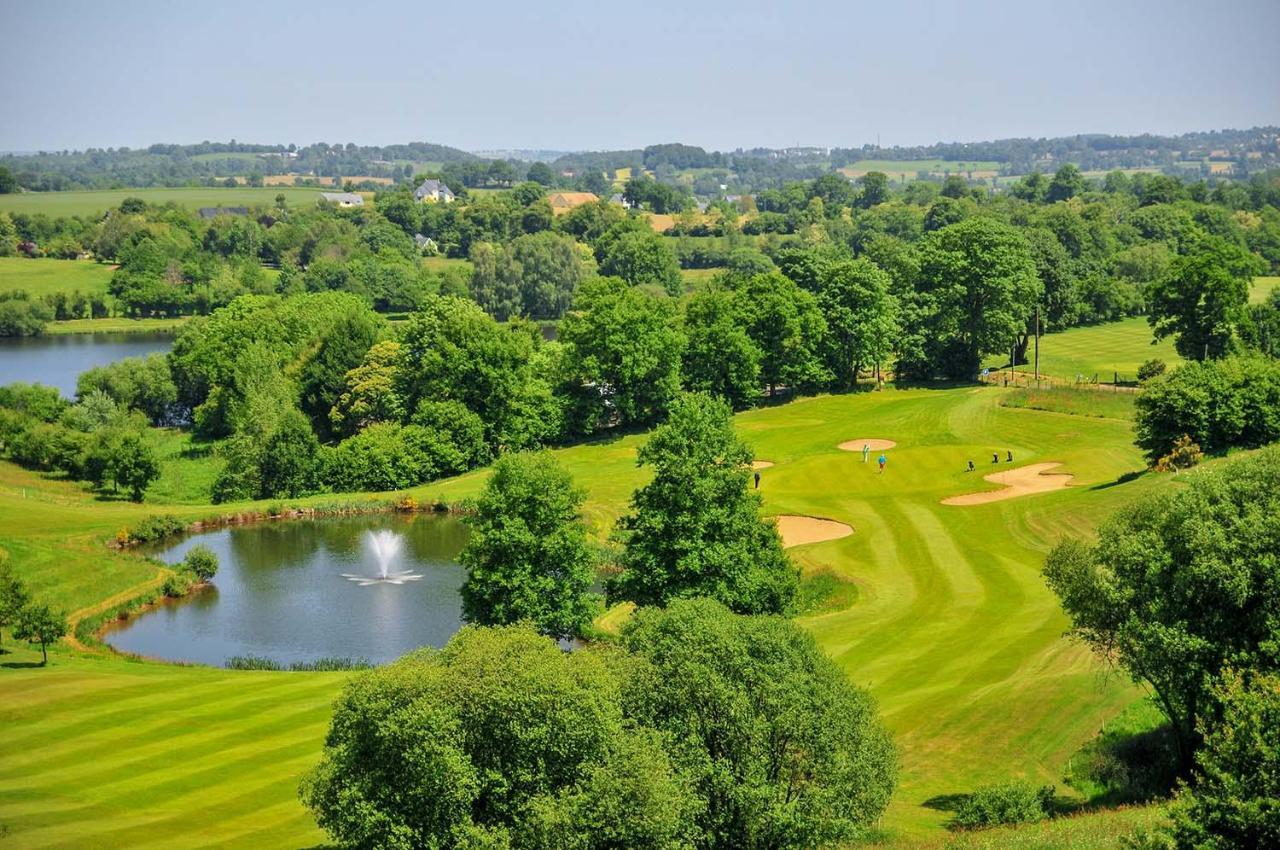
x,y
433,190
343,199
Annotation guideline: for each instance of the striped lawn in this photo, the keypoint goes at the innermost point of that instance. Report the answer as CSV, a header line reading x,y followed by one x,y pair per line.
x,y
953,631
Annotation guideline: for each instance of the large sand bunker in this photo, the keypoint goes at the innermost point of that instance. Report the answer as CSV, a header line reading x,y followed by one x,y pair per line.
x,y
761,464
799,530
1023,481
856,445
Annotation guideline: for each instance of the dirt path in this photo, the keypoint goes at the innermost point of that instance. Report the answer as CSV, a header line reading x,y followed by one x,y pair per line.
x,y
74,618
856,445
799,530
1023,481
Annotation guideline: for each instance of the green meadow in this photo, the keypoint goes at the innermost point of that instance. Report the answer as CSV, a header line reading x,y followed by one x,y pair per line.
x,y
88,203
909,168
1100,350
939,610
46,277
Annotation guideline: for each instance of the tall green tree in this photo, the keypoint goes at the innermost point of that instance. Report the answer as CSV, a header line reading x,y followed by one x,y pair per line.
x,y
720,357
976,288
1067,182
787,324
527,557
621,361
39,622
861,316
782,749
13,597
875,189
1232,805
499,740
695,529
1200,301
1182,584
640,256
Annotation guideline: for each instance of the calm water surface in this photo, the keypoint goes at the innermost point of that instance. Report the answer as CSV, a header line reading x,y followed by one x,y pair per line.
x,y
57,361
280,593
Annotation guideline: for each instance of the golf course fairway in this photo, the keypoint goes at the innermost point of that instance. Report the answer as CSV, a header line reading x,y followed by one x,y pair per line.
x,y
940,611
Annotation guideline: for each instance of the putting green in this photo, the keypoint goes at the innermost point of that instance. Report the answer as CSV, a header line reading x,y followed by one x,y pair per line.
x,y
953,629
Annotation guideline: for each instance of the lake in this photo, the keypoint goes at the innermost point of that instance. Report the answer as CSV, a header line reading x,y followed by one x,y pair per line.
x,y
57,361
291,590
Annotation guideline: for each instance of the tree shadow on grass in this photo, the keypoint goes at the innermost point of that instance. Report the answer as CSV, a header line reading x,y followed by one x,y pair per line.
x,y
945,802
20,665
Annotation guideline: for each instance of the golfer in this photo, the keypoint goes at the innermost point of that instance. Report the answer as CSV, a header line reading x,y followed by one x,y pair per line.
x,y
866,451
883,461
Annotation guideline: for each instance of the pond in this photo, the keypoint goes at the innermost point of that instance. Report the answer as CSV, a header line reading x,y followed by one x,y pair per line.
x,y
298,590
56,361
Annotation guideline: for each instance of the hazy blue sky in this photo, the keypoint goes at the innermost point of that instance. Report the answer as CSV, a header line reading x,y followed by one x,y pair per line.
x,y
575,75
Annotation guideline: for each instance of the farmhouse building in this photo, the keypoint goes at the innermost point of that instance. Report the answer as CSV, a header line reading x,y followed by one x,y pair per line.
x,y
562,202
343,199
433,190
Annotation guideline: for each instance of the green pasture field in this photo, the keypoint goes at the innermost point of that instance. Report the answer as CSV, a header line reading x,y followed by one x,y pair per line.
x,y
246,158
1100,350
953,629
1262,289
911,167
88,203
117,325
45,277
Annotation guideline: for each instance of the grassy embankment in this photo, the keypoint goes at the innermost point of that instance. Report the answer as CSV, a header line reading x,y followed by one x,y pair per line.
x,y
953,629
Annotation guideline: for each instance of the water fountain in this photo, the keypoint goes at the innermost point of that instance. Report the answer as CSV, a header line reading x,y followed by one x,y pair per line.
x,y
385,545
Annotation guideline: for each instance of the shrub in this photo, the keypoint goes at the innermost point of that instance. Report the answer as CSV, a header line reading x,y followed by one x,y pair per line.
x,y
1153,368
1185,454
176,585
1217,403
201,563
330,664
1010,803
251,662
155,527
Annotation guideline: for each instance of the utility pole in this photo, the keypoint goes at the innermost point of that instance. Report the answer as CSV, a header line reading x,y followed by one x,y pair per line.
x,y
1037,345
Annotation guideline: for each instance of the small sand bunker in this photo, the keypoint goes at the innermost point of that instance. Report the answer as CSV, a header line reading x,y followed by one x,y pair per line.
x,y
799,530
761,464
856,445
1023,481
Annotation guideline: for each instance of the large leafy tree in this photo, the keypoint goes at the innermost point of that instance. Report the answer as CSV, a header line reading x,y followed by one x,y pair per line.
x,y
454,351
535,276
1201,299
787,324
622,352
13,596
640,256
719,356
695,529
500,740
976,287
782,749
1234,803
527,557
323,379
861,315
38,622
1182,584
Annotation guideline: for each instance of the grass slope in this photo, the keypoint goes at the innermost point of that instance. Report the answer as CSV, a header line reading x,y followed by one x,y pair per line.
x,y
97,201
953,629
46,277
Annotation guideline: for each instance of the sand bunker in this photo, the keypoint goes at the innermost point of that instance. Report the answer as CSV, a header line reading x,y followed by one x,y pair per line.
x,y
1023,481
799,530
856,445
761,464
